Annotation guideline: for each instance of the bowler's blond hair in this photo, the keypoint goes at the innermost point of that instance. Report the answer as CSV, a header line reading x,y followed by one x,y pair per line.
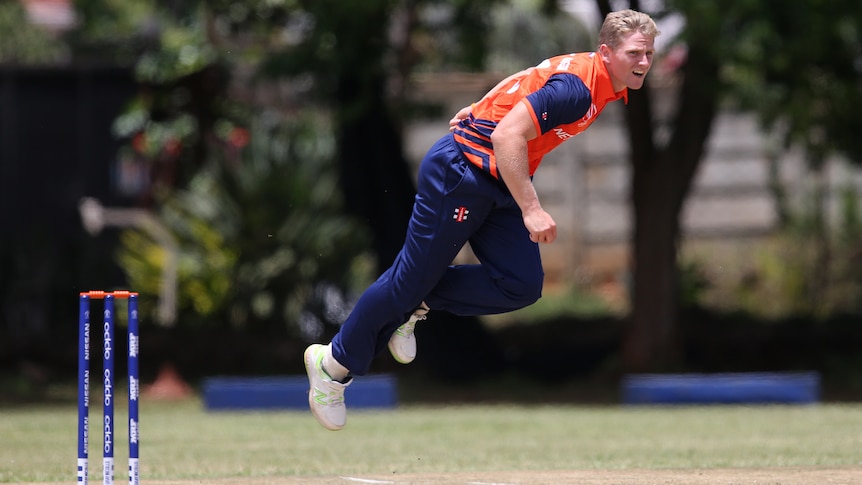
x,y
620,24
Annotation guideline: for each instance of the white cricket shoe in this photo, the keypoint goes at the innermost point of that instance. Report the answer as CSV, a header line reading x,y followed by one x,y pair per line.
x,y
325,395
402,344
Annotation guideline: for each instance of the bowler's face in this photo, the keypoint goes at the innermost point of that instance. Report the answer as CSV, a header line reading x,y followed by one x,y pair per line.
x,y
629,63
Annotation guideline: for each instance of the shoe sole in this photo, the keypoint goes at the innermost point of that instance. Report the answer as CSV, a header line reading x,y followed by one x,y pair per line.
x,y
308,357
398,359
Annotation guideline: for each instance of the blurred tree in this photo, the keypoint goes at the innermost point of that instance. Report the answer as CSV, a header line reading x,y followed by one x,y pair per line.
x,y
662,175
25,43
351,58
360,55
799,68
799,60
354,58
245,186
206,67
261,233
184,74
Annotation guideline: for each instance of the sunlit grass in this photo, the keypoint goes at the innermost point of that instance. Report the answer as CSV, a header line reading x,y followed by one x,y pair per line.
x,y
181,440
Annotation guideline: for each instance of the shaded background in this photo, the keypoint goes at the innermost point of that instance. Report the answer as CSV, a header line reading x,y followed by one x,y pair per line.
x,y
273,141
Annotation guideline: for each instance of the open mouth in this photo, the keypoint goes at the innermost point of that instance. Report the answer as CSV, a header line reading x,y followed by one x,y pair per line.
x,y
639,73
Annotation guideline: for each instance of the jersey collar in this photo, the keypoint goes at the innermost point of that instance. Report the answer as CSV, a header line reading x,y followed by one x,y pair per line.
x,y
604,84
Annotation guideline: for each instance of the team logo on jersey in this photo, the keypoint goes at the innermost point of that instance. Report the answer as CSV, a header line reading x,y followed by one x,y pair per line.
x,y
460,214
588,118
545,116
562,134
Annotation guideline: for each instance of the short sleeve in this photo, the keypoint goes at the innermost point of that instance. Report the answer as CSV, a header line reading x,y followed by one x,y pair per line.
x,y
562,100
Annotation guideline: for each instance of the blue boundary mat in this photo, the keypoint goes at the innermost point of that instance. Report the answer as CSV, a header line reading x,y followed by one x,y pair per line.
x,y
729,388
291,392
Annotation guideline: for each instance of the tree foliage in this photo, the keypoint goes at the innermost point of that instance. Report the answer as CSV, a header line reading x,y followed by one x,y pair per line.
x,y
259,234
796,64
24,43
206,71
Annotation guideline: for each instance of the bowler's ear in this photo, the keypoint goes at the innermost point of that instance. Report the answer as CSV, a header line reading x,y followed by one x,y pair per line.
x,y
605,52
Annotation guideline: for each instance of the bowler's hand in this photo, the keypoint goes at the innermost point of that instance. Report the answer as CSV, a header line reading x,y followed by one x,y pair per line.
x,y
460,116
541,225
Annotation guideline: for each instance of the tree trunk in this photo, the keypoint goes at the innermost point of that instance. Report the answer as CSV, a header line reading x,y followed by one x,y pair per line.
x,y
649,343
375,176
661,180
376,181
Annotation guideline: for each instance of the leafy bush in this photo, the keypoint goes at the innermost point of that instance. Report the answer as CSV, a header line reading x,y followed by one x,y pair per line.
x,y
810,267
262,239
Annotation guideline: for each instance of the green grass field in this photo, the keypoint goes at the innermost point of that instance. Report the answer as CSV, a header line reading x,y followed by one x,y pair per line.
x,y
180,441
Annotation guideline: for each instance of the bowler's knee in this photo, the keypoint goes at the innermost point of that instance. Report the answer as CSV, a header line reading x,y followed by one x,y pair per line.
x,y
523,292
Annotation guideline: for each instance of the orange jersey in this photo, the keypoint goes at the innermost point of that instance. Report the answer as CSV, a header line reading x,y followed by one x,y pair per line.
x,y
564,95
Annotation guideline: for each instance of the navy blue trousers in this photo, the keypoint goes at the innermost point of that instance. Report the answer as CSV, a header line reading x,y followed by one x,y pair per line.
x,y
455,203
